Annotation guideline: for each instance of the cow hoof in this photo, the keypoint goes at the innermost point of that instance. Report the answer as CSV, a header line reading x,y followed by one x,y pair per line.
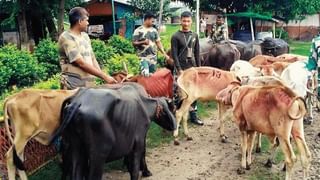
x,y
268,164
146,174
258,150
241,171
248,167
284,167
224,139
189,138
176,142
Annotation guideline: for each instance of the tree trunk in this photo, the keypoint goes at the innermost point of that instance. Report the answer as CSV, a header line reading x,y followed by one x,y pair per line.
x,y
51,26
61,17
23,32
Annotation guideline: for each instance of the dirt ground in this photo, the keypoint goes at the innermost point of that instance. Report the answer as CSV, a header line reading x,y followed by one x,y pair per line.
x,y
206,158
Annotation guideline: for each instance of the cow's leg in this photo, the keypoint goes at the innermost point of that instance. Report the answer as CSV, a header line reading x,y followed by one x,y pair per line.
x,y
222,110
135,160
250,144
290,157
244,141
20,141
143,163
258,145
10,165
180,114
305,155
273,150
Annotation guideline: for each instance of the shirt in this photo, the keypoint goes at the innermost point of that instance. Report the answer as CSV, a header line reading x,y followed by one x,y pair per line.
x,y
73,47
143,33
314,58
218,33
179,50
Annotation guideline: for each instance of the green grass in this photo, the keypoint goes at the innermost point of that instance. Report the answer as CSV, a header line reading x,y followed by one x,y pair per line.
x,y
298,47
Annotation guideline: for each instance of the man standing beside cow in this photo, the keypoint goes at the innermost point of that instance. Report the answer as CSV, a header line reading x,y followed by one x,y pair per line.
x,y
313,62
185,53
146,40
77,60
219,31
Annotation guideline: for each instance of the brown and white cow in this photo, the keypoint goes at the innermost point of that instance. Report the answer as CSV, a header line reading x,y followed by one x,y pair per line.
x,y
33,114
201,83
272,110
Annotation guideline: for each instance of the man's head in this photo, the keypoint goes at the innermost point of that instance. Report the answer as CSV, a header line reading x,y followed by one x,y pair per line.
x,y
219,19
186,20
148,19
79,18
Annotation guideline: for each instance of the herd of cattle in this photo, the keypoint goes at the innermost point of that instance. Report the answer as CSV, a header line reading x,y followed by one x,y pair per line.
x,y
266,94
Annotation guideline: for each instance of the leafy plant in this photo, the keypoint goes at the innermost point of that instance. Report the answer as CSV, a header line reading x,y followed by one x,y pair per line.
x,y
116,64
20,66
102,52
120,44
47,55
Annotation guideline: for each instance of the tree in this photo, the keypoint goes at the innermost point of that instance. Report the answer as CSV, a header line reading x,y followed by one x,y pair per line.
x,y
36,18
152,6
285,9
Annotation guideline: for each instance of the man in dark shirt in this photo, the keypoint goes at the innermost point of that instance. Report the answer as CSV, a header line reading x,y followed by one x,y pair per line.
x,y
185,53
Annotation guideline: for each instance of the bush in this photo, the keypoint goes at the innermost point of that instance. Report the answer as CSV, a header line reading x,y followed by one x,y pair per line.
x,y
102,52
5,74
20,66
51,83
47,55
284,34
116,64
121,45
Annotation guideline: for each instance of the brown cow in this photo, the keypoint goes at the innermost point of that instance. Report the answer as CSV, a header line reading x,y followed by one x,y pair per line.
x,y
292,57
33,114
159,84
272,110
201,83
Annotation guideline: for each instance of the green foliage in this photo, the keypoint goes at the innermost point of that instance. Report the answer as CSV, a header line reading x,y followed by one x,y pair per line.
x,y
116,64
52,83
20,66
284,34
120,44
152,6
5,74
102,52
47,55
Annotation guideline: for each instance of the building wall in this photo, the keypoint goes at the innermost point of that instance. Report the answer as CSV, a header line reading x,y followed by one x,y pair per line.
x,y
304,30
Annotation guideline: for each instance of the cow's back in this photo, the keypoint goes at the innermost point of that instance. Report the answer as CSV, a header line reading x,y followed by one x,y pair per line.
x,y
204,82
261,107
33,110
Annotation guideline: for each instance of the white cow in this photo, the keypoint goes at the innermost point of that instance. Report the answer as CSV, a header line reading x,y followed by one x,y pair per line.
x,y
243,69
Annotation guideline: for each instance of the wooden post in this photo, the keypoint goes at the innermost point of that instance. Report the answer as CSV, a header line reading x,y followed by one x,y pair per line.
x,y
160,15
274,29
198,17
252,32
113,18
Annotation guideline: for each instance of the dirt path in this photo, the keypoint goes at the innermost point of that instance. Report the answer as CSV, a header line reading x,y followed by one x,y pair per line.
x,y
206,158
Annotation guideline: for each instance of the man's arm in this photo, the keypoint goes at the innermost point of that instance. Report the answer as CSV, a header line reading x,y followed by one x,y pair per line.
x,y
160,47
197,52
95,62
174,53
94,71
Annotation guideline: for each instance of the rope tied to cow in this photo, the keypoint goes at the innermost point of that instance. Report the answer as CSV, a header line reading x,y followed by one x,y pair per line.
x,y
159,109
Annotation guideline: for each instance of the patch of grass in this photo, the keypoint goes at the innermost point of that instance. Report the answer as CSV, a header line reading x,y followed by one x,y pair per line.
x,y
265,174
51,171
301,48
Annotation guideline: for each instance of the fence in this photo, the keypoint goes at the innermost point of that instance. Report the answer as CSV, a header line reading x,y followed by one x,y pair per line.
x,y
35,154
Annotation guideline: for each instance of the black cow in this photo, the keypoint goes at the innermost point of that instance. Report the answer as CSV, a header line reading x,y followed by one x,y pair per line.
x,y
104,125
221,55
247,50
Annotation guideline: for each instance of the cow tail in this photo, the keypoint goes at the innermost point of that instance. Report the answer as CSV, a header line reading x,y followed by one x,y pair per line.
x,y
302,109
6,120
17,161
68,110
